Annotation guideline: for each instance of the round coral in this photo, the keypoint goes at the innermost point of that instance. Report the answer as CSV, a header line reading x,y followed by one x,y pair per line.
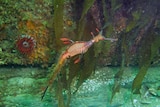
x,y
26,44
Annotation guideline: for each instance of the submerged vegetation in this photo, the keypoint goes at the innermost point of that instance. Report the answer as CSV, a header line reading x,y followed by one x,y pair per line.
x,y
121,19
135,23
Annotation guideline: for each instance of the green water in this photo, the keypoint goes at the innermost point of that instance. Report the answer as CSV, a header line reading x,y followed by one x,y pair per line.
x,y
22,87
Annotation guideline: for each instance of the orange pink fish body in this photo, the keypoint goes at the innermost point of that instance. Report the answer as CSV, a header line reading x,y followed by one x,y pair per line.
x,y
75,48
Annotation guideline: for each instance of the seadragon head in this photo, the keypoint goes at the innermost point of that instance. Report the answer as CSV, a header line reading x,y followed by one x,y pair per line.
x,y
100,37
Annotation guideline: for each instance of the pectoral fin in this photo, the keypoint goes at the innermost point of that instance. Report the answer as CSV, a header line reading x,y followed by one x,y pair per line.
x,y
77,60
66,41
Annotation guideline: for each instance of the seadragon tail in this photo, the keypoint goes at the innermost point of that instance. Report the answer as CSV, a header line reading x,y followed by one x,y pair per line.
x,y
57,69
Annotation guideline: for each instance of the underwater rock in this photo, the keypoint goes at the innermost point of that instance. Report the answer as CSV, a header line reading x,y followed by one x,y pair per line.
x,y
38,40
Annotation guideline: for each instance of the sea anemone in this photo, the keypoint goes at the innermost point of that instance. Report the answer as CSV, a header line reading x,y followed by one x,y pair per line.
x,y
26,44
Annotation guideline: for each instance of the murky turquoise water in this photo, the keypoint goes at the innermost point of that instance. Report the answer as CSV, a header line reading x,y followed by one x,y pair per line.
x,y
21,89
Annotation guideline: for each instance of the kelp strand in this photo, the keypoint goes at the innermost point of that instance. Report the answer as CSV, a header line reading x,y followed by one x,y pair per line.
x,y
58,20
147,53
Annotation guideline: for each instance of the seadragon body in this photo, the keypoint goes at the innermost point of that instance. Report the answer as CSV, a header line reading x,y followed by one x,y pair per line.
x,y
75,48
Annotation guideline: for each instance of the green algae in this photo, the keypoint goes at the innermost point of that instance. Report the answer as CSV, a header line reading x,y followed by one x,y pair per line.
x,y
58,20
148,52
82,22
119,74
86,6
